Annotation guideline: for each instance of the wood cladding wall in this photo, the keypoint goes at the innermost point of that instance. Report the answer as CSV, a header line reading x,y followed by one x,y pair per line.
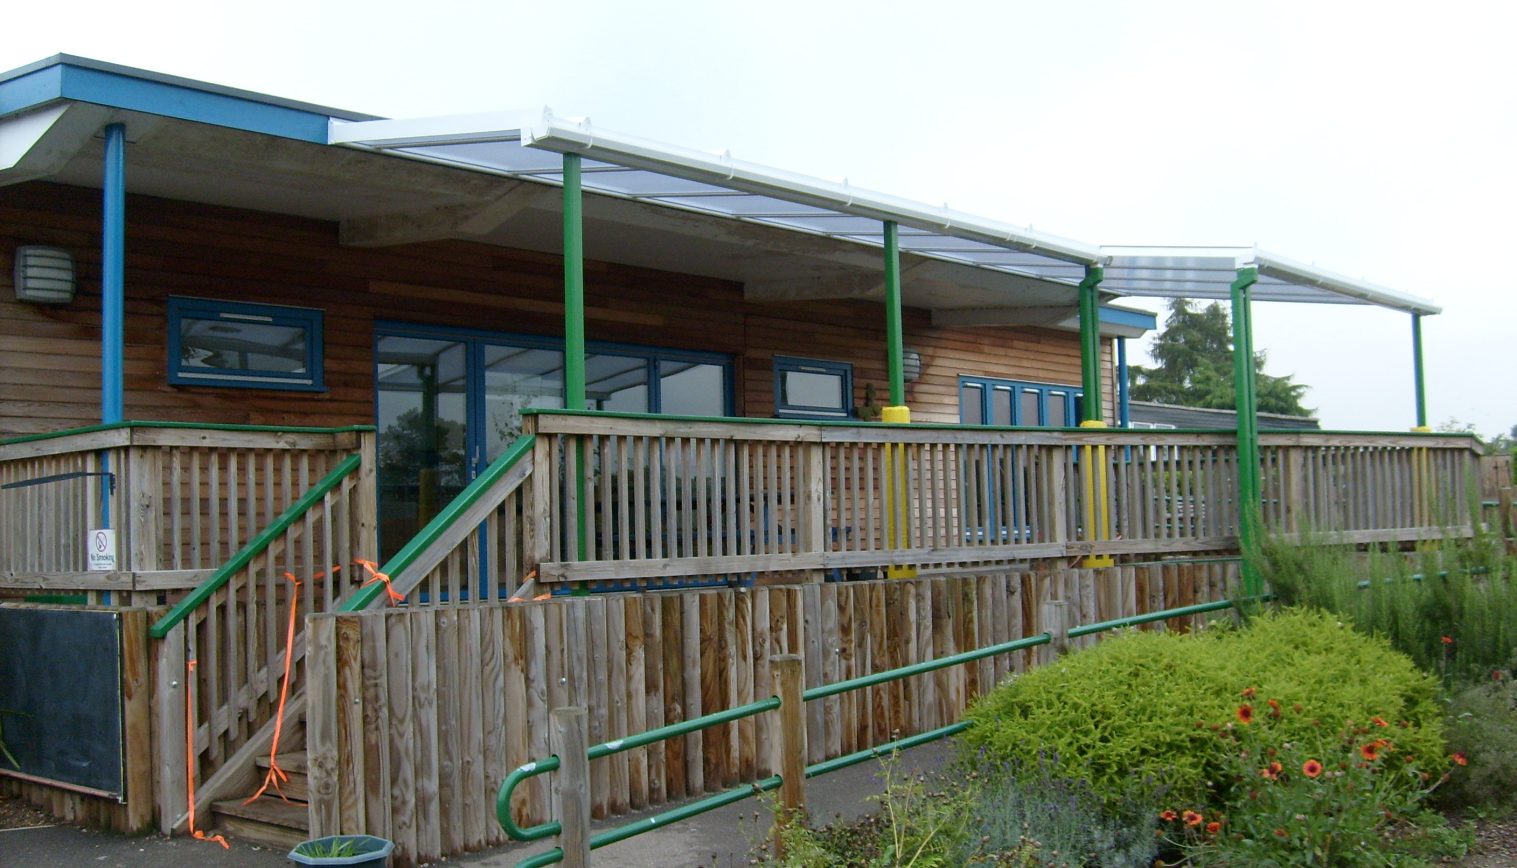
x,y
50,356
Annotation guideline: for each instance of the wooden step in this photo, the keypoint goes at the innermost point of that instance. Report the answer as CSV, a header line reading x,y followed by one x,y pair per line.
x,y
294,765
267,821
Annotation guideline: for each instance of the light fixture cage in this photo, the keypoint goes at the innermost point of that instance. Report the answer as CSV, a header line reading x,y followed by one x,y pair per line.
x,y
44,275
911,365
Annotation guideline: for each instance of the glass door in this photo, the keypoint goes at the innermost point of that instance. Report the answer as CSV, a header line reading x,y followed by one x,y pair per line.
x,y
424,449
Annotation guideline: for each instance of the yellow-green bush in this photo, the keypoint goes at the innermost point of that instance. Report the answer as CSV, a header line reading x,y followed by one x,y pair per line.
x,y
1141,705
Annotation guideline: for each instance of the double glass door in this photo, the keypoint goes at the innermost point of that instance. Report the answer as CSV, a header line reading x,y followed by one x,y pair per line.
x,y
449,401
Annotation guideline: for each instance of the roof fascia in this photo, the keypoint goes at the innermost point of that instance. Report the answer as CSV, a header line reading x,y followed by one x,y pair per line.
x,y
118,87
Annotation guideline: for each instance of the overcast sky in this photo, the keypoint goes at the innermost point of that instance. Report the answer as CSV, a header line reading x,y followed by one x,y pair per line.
x,y
1377,140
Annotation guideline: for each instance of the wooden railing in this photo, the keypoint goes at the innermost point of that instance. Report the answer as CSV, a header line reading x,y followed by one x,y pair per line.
x,y
658,498
182,499
223,648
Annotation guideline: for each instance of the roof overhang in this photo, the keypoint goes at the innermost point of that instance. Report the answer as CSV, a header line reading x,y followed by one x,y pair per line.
x,y
1208,272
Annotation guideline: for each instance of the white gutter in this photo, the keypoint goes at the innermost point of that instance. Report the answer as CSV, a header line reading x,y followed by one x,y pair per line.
x,y
1297,274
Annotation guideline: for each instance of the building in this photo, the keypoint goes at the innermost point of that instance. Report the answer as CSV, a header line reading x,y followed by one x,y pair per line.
x,y
277,364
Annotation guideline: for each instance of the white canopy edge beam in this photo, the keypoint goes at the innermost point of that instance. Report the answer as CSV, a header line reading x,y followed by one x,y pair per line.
x,y
1297,274
567,136
1208,272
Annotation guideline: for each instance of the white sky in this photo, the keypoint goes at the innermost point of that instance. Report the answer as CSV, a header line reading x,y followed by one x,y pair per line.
x,y
1377,140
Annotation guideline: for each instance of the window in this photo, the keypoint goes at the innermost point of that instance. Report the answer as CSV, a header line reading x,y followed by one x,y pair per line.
x,y
986,401
251,346
812,389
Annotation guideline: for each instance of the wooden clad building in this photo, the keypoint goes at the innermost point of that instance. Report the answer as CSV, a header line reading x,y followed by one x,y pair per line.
x,y
50,358
305,363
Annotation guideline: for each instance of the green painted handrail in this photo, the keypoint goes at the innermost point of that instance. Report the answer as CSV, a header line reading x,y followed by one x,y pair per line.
x,y
727,797
245,556
198,426
441,522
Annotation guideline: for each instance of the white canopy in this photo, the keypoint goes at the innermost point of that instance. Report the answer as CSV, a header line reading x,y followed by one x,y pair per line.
x,y
1208,272
520,145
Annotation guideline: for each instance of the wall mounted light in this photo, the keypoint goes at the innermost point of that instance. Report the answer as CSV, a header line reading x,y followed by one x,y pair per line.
x,y
911,365
44,275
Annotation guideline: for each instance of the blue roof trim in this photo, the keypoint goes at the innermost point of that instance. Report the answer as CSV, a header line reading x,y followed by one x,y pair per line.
x,y
32,90
1121,316
83,80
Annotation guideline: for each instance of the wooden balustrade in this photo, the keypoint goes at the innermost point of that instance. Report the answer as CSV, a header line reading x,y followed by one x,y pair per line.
x,y
230,650
656,499
181,498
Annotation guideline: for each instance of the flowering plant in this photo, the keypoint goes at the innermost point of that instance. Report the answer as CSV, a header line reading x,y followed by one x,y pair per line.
x,y
1343,797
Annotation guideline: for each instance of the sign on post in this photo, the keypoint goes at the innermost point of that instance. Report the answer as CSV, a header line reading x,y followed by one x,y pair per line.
x,y
101,550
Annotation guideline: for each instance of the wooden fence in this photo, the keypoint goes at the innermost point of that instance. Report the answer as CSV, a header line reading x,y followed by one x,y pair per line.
x,y
416,715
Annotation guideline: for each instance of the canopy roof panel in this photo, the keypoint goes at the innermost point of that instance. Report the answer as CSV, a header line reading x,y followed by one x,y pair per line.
x,y
1208,272
528,146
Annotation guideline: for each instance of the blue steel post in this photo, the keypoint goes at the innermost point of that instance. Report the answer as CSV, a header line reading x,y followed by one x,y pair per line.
x,y
1124,400
112,288
1419,383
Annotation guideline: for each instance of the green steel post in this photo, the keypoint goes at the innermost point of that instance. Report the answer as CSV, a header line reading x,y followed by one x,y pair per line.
x,y
1247,424
893,338
574,331
1090,343
1417,372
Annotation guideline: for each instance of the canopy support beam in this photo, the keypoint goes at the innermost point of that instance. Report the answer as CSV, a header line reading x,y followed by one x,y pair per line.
x,y
574,334
1250,516
1419,383
897,412
1097,485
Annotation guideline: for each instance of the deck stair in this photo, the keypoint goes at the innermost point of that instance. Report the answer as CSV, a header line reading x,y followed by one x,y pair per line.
x,y
271,820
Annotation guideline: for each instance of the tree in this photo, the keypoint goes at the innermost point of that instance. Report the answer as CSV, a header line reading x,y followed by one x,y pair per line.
x,y
1194,352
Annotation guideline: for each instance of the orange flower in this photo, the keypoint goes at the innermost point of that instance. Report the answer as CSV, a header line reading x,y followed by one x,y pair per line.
x,y
1192,818
1311,768
1460,759
1213,827
1281,833
1378,721
1248,693
1448,640
1271,772
1168,816
1245,713
1274,707
1370,751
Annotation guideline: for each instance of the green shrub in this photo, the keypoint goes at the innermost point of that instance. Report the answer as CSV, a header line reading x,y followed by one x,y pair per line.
x,y
1482,726
1452,609
1142,704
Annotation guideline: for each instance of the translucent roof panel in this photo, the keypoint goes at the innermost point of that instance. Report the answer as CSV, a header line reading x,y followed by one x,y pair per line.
x,y
530,146
1208,272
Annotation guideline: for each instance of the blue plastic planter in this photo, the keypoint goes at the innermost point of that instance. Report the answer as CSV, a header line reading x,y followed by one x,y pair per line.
x,y
367,850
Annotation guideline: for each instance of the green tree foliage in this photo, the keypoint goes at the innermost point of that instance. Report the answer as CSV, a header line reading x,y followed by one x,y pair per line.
x,y
1194,352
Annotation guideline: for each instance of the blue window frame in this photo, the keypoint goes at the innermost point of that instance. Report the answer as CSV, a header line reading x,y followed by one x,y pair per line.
x,y
812,389
244,346
990,401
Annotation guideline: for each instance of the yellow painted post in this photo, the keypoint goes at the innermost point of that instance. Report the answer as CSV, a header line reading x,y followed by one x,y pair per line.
x,y
1097,514
897,504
